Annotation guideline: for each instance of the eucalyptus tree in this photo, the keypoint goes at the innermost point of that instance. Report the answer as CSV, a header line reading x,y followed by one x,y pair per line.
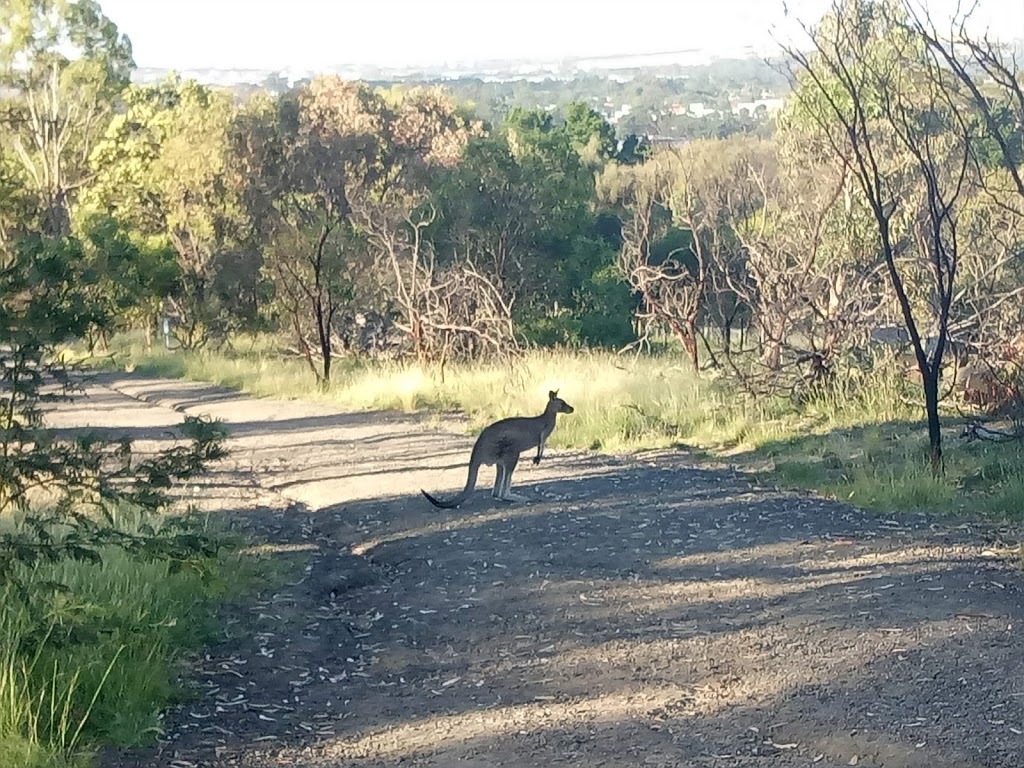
x,y
337,175
163,169
63,65
303,155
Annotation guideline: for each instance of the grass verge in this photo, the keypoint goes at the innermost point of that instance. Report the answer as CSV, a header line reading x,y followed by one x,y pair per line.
x,y
866,443
95,661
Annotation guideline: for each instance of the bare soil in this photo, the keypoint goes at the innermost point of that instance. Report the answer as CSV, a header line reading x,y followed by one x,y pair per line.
x,y
641,611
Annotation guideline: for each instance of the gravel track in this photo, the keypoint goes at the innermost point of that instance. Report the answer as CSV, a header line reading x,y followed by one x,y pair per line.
x,y
641,611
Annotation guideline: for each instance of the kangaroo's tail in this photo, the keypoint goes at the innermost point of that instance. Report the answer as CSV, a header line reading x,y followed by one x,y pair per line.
x,y
474,469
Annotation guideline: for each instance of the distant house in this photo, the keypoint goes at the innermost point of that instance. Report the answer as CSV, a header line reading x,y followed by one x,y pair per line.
x,y
750,107
699,109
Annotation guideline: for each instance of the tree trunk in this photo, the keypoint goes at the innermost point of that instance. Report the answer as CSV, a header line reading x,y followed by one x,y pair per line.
x,y
712,360
56,218
687,335
930,378
304,346
417,339
324,334
690,340
726,329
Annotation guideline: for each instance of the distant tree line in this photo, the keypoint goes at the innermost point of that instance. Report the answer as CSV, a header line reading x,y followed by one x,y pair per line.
x,y
347,217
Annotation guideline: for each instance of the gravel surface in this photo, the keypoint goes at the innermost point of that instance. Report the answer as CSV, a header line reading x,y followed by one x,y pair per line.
x,y
641,611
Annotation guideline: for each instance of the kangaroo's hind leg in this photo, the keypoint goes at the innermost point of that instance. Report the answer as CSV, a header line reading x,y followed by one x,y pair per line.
x,y
506,491
499,480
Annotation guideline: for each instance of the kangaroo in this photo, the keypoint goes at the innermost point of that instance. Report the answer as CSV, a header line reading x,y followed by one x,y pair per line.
x,y
501,443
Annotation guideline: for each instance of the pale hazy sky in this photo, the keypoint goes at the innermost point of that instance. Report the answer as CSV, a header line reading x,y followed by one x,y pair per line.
x,y
309,34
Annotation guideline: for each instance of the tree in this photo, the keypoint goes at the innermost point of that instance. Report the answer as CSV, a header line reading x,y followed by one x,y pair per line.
x,y
62,64
591,135
304,155
989,76
340,179
18,207
811,279
719,199
163,168
338,173
444,306
993,90
130,277
659,259
714,199
899,127
513,207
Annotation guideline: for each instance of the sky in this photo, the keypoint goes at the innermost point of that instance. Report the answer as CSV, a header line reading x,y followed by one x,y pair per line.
x,y
313,34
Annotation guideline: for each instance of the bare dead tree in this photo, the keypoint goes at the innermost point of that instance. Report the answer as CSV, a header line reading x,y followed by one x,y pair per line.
x,y
729,194
713,192
994,281
671,287
810,291
309,268
879,107
395,234
470,317
997,97
447,311
990,302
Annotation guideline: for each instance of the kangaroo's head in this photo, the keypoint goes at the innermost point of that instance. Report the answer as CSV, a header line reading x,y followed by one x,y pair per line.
x,y
557,404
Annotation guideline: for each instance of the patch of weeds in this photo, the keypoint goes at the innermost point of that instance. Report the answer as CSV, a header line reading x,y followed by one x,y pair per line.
x,y
832,461
806,474
1008,498
906,487
875,446
91,650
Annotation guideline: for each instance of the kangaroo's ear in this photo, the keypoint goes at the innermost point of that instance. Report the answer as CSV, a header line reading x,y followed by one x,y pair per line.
x,y
552,394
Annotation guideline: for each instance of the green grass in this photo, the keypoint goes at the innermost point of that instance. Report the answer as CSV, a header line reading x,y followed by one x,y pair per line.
x,y
864,443
97,661
883,466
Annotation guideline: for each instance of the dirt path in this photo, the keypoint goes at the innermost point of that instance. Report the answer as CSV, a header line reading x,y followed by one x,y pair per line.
x,y
643,612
